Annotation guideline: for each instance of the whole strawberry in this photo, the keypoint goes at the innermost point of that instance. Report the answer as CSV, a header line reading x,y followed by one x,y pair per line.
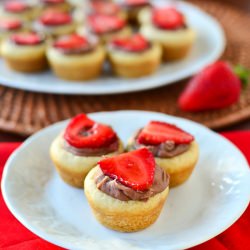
x,y
216,86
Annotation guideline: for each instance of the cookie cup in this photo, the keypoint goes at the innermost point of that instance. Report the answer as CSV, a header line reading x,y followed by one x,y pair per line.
x,y
123,216
179,167
72,168
6,34
104,38
27,15
131,65
76,67
175,44
27,59
55,31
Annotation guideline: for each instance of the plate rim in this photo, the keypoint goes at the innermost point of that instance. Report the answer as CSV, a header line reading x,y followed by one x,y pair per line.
x,y
51,239
156,82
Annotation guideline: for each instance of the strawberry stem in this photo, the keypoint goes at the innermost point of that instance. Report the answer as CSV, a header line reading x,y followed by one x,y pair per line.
x,y
243,73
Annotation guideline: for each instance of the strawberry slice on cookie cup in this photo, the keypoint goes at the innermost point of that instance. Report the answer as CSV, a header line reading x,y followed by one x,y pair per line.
x,y
168,26
75,57
127,192
55,23
106,27
80,146
24,10
25,52
134,56
175,150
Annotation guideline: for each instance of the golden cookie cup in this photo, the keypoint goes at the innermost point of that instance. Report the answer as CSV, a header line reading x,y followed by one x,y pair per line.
x,y
175,44
72,168
123,216
132,65
80,67
27,59
6,34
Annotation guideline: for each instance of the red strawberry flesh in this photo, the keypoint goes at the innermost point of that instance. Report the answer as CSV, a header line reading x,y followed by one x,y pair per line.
x,y
71,42
216,86
105,23
82,132
134,3
155,133
54,18
134,169
136,43
26,39
168,18
105,8
15,6
10,24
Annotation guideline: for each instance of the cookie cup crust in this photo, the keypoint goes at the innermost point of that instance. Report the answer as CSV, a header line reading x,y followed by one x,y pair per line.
x,y
123,216
127,64
76,67
24,58
72,168
179,167
175,44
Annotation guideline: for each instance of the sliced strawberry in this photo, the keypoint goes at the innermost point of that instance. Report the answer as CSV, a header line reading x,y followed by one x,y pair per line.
x,y
15,6
135,43
73,41
216,86
83,132
134,169
155,133
53,1
53,18
10,24
104,23
134,3
167,18
105,8
26,38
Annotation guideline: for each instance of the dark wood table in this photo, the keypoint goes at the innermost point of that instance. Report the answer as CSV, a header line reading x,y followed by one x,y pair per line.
x,y
242,4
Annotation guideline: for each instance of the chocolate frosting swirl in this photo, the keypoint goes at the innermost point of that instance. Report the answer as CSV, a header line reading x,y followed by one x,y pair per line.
x,y
166,149
118,191
91,151
78,51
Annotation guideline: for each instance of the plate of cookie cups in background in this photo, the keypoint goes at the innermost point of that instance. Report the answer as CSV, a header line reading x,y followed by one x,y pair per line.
x,y
208,46
211,200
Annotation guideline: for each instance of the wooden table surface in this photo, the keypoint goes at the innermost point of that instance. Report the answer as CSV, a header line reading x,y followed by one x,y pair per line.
x,y
242,4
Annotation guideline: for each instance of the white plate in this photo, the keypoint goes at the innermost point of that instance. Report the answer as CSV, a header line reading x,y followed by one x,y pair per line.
x,y
209,202
209,46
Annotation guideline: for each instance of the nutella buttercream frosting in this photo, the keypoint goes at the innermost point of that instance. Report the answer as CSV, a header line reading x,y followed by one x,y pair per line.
x,y
121,192
166,149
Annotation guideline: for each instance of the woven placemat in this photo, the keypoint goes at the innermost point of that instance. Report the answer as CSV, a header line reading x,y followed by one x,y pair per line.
x,y
26,112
